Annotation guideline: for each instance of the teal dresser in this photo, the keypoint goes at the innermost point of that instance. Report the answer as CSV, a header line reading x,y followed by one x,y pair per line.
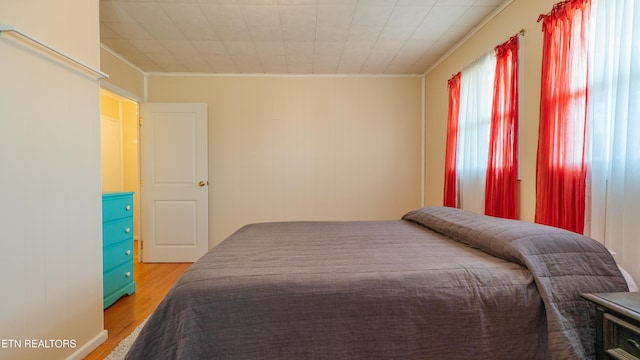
x,y
117,246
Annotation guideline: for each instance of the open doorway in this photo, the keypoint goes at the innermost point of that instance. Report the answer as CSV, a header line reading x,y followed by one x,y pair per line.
x,y
119,133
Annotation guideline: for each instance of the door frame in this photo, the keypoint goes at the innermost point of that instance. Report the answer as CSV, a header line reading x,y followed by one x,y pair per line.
x,y
122,95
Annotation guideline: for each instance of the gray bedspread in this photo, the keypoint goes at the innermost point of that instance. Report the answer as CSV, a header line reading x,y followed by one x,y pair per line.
x,y
564,265
441,283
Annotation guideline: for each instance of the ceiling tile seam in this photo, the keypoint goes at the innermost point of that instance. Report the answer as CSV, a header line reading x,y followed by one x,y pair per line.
x,y
191,41
378,38
132,44
162,44
253,41
353,14
473,31
407,40
221,40
116,25
315,44
286,57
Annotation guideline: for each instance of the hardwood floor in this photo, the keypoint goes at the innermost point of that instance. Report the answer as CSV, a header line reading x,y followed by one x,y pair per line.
x,y
153,281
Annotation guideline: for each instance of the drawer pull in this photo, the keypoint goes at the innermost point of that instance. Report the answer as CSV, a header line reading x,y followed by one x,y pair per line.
x,y
633,343
127,230
128,252
128,274
128,207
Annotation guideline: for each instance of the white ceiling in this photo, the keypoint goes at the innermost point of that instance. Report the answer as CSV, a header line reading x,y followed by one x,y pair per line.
x,y
288,36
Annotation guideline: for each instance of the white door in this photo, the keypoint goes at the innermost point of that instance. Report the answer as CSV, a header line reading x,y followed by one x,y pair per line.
x,y
174,175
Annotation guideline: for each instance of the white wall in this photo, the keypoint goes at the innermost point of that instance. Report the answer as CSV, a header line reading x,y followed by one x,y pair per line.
x,y
50,182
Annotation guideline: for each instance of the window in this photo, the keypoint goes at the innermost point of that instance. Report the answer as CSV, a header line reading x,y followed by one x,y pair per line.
x,y
613,129
481,156
589,147
474,124
560,169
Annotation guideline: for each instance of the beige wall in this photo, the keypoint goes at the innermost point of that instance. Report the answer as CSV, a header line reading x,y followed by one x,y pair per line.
x,y
124,79
305,148
521,14
50,208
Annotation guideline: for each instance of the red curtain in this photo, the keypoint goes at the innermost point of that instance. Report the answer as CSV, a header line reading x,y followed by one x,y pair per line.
x,y
501,192
450,178
561,170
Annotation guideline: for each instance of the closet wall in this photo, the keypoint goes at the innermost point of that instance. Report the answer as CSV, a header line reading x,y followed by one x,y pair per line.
x,y
119,144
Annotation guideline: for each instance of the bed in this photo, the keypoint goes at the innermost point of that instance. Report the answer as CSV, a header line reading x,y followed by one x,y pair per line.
x,y
439,283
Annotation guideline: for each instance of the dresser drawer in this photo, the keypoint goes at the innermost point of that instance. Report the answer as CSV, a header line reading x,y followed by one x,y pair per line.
x,y
621,339
116,206
118,277
117,246
117,231
116,255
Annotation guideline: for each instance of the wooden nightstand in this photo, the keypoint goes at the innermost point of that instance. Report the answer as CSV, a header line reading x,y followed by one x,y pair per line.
x,y
617,325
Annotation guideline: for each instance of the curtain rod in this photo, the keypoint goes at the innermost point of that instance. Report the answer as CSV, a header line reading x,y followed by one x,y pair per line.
x,y
519,34
7,28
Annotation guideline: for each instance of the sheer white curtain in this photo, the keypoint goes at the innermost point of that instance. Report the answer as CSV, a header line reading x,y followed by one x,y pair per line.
x,y
613,130
474,121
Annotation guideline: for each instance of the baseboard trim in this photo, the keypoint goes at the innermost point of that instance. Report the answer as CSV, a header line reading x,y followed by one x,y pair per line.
x,y
93,344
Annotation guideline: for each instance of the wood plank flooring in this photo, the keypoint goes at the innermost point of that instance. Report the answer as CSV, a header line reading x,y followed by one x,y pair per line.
x,y
153,281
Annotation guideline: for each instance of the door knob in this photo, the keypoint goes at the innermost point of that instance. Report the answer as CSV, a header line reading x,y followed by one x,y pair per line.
x,y
202,183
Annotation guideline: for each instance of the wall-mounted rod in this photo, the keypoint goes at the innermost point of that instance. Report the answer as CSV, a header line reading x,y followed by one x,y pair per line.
x,y
7,28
